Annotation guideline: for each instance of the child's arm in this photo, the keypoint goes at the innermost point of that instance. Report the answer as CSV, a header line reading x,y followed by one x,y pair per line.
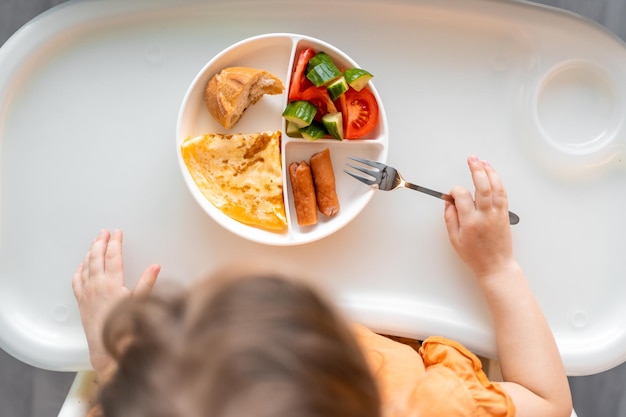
x,y
479,231
99,285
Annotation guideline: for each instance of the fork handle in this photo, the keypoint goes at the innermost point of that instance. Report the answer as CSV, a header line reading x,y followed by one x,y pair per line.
x,y
513,218
428,191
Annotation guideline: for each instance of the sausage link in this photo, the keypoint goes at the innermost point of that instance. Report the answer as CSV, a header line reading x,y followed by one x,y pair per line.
x,y
303,193
324,181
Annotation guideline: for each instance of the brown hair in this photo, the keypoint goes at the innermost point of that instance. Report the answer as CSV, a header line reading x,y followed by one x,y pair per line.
x,y
257,346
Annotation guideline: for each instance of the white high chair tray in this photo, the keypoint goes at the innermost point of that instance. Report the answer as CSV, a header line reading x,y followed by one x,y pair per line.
x,y
89,96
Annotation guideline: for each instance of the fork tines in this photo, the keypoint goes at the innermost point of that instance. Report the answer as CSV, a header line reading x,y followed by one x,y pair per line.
x,y
358,177
379,165
374,174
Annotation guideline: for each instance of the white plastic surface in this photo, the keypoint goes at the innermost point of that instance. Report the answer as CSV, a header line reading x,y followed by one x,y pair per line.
x,y
82,395
89,95
276,52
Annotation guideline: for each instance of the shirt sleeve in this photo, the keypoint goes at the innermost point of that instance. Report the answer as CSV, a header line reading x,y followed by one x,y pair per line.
x,y
455,375
444,379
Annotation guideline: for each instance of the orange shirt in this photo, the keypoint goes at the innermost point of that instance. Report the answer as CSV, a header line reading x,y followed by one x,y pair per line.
x,y
443,379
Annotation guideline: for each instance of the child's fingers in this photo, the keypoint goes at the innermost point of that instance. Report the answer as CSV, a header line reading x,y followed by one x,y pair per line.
x,y
114,262
97,253
498,191
87,257
451,218
147,280
463,201
77,279
482,183
84,266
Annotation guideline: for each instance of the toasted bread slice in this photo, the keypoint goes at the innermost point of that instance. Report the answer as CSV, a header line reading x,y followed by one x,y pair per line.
x,y
240,174
230,92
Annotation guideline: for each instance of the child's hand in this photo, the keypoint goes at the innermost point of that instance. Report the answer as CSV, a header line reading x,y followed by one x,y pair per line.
x,y
98,285
480,232
478,227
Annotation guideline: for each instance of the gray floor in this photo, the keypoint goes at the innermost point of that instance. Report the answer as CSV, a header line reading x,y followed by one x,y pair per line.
x,y
31,392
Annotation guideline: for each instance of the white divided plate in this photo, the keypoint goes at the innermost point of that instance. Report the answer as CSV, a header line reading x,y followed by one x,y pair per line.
x,y
276,53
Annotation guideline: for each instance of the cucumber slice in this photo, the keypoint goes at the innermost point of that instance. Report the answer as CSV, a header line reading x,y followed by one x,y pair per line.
x,y
300,113
337,88
333,122
314,131
357,78
292,130
323,73
318,59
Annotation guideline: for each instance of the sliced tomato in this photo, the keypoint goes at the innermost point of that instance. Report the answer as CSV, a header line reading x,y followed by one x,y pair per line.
x,y
319,97
360,113
299,82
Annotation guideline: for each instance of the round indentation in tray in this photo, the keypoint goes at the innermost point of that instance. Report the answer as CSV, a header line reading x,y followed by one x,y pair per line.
x,y
577,108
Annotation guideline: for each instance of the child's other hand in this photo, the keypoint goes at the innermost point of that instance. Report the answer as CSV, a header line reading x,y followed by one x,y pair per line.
x,y
478,227
99,285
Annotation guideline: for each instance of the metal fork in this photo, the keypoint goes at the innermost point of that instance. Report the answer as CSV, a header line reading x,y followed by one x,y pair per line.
x,y
386,178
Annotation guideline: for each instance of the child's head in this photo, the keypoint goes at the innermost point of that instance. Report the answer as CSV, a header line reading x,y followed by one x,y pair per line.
x,y
251,346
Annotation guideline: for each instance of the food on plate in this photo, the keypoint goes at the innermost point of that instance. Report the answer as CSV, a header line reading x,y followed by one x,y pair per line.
x,y
314,131
342,93
231,91
241,175
313,188
300,113
324,180
303,191
333,122
299,82
357,78
321,70
360,111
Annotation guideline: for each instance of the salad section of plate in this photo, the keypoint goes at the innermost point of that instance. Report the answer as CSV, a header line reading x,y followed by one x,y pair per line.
x,y
278,54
